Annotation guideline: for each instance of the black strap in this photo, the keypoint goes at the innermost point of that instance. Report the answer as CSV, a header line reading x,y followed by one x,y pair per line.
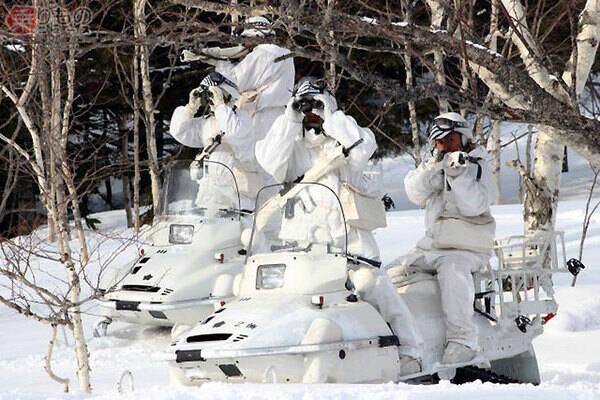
x,y
475,160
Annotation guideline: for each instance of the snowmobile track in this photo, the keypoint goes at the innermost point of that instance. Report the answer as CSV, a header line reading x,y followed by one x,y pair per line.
x,y
471,373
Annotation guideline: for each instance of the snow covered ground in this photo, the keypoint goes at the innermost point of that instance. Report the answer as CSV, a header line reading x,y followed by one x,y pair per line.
x,y
568,352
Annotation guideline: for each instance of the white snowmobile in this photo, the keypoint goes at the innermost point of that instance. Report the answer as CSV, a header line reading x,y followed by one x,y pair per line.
x,y
193,255
297,319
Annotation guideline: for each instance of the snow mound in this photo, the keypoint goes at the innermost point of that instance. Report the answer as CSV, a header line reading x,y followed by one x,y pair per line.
x,y
579,310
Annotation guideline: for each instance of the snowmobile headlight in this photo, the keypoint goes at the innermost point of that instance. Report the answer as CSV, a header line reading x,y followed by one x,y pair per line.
x,y
270,276
181,234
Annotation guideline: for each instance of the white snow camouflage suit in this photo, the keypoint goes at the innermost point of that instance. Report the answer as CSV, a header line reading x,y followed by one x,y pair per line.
x,y
465,195
237,148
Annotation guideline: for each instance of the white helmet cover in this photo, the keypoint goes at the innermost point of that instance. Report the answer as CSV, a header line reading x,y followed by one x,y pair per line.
x,y
309,86
218,79
449,122
257,27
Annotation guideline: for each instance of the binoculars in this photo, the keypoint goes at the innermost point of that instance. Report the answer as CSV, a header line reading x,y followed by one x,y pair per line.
x,y
204,96
439,155
304,105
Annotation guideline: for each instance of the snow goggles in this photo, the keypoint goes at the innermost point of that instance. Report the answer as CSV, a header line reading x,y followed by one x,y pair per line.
x,y
442,127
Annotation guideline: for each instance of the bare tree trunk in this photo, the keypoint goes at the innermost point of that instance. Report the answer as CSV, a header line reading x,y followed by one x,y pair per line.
x,y
136,141
331,74
587,217
53,178
465,7
528,166
20,102
496,125
58,146
547,173
48,362
81,351
150,123
66,170
548,165
412,112
412,109
437,14
12,177
124,176
76,212
51,125
496,152
49,185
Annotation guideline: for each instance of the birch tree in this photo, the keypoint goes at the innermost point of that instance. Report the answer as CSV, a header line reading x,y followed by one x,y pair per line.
x,y
437,14
143,58
52,65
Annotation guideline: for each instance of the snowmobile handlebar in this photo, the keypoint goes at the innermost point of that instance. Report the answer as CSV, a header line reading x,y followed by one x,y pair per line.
x,y
364,260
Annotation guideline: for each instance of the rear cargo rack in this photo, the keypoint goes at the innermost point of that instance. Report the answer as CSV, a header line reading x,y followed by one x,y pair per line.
x,y
519,288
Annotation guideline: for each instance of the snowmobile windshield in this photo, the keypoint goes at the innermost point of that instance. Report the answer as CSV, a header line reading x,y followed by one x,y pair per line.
x,y
204,189
301,217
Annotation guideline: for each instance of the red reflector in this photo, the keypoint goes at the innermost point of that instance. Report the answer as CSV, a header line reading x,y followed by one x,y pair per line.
x,y
321,300
141,252
548,317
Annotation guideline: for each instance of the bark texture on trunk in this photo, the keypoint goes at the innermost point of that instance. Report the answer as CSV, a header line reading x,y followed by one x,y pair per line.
x,y
58,148
412,109
48,362
65,165
496,153
124,176
148,102
136,141
549,153
437,14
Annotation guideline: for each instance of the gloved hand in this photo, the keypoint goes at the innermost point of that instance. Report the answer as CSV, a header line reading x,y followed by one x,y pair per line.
x,y
291,114
195,101
455,163
433,167
218,97
363,280
248,101
434,164
187,56
307,201
248,96
196,171
329,105
334,152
